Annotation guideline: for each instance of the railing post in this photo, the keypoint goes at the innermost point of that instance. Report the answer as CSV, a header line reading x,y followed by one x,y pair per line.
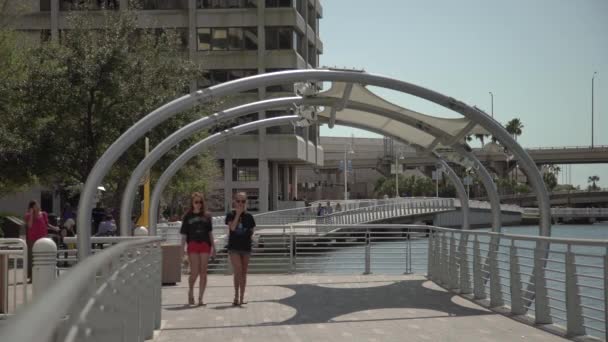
x,y
574,314
541,313
495,288
517,304
479,290
430,261
453,272
444,259
44,266
465,281
292,250
606,295
368,258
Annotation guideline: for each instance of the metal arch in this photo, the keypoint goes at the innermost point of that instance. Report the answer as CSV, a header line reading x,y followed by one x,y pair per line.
x,y
460,191
488,184
188,130
128,138
195,149
168,143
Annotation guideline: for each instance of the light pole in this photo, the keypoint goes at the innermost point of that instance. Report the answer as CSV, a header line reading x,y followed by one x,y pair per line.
x,y
492,103
592,103
347,150
398,156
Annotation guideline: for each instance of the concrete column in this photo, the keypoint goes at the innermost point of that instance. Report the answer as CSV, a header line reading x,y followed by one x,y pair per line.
x,y
227,183
264,184
275,185
285,185
192,38
55,20
294,182
44,266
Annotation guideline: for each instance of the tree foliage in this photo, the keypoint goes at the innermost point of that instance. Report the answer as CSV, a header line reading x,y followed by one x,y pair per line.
x,y
411,186
593,179
80,94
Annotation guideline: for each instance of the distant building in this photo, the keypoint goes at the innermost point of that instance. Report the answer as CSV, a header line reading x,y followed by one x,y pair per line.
x,y
232,39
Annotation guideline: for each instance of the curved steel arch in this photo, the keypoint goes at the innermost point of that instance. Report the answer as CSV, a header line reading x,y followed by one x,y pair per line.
x,y
105,162
168,143
201,124
195,149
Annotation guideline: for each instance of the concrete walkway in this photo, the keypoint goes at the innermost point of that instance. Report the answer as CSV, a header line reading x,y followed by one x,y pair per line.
x,y
334,308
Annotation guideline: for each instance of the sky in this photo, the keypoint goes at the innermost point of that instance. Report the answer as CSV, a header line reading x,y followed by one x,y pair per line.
x,y
536,57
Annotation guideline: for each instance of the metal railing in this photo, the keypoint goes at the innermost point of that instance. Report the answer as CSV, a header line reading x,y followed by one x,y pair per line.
x,y
570,212
561,281
114,295
13,256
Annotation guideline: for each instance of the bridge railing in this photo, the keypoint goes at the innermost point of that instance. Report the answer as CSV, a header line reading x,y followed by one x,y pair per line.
x,y
111,296
13,275
561,281
571,212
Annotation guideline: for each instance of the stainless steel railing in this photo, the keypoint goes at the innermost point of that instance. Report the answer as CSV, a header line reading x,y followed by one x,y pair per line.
x,y
111,296
561,281
13,256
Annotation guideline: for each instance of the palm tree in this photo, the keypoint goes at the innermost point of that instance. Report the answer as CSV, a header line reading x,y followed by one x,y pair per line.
x,y
593,179
514,127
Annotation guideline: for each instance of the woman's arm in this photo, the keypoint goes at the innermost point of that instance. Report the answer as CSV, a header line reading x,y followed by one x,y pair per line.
x,y
235,221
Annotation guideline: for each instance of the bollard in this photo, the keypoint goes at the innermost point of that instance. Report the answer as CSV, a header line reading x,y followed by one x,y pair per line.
x,y
140,231
44,266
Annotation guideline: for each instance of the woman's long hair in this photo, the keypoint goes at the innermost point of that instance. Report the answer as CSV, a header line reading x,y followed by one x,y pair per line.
x,y
203,211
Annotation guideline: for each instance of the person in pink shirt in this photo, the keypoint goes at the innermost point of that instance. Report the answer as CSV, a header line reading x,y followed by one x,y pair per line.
x,y
37,222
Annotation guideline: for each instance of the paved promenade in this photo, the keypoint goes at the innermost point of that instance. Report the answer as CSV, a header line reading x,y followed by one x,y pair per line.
x,y
334,308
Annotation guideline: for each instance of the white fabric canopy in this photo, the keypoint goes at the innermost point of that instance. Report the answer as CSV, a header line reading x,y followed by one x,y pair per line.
x,y
413,130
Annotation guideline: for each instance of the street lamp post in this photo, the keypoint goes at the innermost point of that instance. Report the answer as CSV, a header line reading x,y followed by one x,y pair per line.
x,y
347,150
492,103
592,103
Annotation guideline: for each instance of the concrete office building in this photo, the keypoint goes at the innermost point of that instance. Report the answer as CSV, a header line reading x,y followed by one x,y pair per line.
x,y
231,39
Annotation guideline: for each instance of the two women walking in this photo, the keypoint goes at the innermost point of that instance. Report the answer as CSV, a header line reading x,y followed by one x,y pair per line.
x,y
197,240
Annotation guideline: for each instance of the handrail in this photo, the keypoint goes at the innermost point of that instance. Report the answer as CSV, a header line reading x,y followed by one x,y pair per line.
x,y
47,312
23,252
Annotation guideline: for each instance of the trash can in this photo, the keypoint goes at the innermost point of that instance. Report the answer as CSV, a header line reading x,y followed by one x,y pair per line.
x,y
171,252
172,264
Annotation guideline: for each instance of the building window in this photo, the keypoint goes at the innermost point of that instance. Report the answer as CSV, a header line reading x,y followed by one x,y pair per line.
x,y
215,4
245,170
78,5
279,38
45,5
278,3
219,39
230,38
213,77
164,4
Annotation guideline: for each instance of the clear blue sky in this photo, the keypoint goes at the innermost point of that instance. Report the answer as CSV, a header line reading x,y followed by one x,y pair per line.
x,y
537,57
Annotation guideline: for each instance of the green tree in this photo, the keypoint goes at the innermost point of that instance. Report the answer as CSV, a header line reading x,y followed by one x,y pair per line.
x,y
593,179
550,180
515,127
14,146
81,94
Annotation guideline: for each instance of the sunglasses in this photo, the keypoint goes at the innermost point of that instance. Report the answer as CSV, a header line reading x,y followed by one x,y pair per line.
x,y
198,202
240,201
